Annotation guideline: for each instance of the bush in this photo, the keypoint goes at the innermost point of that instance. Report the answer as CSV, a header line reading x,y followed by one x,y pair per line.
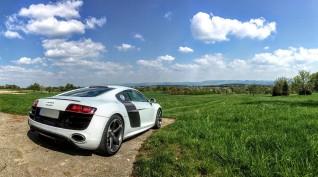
x,y
305,92
281,87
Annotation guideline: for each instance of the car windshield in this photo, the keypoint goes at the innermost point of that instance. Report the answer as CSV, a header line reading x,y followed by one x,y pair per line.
x,y
87,92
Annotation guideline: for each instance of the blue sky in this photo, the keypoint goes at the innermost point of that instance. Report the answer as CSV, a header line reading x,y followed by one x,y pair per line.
x,y
121,41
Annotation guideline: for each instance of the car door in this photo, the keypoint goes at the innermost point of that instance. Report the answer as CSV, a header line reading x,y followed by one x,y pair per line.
x,y
144,108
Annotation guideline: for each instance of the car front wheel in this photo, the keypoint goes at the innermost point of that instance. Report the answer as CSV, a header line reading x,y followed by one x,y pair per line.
x,y
158,119
112,136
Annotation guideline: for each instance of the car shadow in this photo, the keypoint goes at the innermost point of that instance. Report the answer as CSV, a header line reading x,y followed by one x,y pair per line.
x,y
59,146
67,147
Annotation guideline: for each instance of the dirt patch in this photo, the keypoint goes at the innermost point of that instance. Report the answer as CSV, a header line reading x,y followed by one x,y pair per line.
x,y
10,92
22,153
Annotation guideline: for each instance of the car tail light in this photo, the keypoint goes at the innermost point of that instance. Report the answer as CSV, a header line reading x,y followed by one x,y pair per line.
x,y
80,109
35,103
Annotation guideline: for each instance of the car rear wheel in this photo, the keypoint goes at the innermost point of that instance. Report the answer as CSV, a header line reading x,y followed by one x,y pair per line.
x,y
158,119
112,136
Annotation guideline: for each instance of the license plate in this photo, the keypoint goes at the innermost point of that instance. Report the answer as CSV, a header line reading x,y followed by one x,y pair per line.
x,y
50,113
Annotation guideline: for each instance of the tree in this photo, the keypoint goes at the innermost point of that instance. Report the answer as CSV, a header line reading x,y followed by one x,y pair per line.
x,y
253,89
34,87
49,89
314,81
285,90
301,83
12,87
276,91
42,88
68,87
281,87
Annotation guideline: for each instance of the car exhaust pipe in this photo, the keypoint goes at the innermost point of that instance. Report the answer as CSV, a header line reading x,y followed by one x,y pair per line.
x,y
78,137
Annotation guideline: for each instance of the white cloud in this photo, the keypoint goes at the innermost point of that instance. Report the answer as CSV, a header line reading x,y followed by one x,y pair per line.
x,y
125,47
12,34
238,64
211,29
63,9
211,60
53,27
84,56
72,50
52,20
262,66
166,58
266,47
168,15
13,23
91,22
28,61
157,63
185,49
182,67
91,67
139,37
25,76
150,63
287,57
22,72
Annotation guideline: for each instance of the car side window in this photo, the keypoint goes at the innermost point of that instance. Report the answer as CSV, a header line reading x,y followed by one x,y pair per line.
x,y
136,96
123,96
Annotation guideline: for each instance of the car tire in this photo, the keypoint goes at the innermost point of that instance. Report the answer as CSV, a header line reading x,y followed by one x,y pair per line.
x,y
158,119
112,137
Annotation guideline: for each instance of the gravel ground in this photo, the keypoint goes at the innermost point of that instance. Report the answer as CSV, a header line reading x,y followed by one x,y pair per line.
x,y
22,153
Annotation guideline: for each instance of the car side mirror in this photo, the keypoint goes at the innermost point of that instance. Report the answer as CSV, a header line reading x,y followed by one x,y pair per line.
x,y
152,100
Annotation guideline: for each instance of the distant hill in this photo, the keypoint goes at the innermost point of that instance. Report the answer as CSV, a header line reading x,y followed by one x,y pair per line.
x,y
206,83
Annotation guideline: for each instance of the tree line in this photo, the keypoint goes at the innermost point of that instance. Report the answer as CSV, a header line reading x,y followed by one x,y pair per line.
x,y
38,87
172,90
203,90
303,84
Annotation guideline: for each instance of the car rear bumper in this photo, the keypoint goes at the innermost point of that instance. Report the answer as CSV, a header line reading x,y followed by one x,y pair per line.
x,y
91,135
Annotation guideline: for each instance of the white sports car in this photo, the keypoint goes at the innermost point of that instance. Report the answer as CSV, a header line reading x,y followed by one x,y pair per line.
x,y
95,118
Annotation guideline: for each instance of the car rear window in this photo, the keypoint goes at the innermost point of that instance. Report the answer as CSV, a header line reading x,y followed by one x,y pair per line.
x,y
87,92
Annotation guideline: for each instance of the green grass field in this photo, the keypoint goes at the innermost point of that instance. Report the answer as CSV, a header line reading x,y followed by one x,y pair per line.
x,y
20,103
234,135
223,135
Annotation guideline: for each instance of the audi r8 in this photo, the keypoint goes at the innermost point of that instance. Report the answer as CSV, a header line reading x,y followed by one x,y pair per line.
x,y
95,118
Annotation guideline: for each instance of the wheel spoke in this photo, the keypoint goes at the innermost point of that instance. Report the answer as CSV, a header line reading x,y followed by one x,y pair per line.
x,y
112,126
118,128
110,143
116,140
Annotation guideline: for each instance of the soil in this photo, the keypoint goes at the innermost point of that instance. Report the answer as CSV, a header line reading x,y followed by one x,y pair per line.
x,y
23,153
10,92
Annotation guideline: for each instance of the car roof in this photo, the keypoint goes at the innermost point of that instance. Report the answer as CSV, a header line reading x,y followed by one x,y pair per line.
x,y
111,86
119,87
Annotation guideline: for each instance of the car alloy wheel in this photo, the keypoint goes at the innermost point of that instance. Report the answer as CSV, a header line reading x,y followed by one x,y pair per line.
x,y
114,135
158,119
